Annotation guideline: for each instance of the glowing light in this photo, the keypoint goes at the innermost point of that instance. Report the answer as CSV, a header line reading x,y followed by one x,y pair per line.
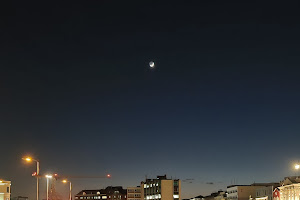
x,y
64,181
28,159
48,176
108,175
151,64
297,166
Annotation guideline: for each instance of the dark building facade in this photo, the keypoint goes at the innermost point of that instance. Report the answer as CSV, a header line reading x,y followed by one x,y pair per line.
x,y
109,193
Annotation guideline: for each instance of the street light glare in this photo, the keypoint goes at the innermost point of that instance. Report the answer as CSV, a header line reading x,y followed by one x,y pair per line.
x,y
297,166
108,175
48,176
28,159
64,181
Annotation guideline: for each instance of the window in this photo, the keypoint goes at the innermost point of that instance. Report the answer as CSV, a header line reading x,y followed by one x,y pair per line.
x,y
7,189
175,183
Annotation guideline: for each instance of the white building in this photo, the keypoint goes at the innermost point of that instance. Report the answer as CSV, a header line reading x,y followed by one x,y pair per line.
x,y
243,192
289,189
5,190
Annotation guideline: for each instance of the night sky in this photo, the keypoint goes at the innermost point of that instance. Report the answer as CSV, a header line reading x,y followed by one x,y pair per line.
x,y
221,106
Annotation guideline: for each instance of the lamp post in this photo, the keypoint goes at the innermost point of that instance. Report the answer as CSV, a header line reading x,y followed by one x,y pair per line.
x,y
29,159
48,177
70,193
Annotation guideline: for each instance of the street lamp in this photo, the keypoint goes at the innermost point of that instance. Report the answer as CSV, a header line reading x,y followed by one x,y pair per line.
x,y
297,166
29,159
48,177
70,194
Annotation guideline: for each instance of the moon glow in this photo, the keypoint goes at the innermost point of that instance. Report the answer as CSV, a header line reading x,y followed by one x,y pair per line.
x,y
151,64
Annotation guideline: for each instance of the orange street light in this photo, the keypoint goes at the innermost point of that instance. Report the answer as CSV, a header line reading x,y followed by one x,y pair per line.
x,y
29,159
297,166
70,194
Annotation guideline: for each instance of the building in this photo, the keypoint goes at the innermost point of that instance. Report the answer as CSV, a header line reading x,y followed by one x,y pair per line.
x,y
109,193
5,190
20,198
199,197
134,193
243,192
289,189
266,192
221,195
161,188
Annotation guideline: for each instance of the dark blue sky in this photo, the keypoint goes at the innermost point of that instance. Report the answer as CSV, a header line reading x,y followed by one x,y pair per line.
x,y
221,106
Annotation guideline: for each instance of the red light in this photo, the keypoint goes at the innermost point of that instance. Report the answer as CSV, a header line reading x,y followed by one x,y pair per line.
x,y
33,174
108,175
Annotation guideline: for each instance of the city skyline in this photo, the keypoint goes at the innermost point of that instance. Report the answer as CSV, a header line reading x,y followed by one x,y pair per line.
x,y
205,91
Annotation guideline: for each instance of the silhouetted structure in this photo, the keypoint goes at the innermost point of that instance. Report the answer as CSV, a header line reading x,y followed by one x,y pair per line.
x,y
109,193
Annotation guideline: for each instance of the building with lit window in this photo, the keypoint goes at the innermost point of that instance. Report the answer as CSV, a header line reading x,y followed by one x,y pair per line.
x,y
161,188
5,190
109,193
289,189
134,193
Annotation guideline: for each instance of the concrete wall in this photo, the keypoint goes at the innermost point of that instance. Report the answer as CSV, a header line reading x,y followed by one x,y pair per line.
x,y
167,189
